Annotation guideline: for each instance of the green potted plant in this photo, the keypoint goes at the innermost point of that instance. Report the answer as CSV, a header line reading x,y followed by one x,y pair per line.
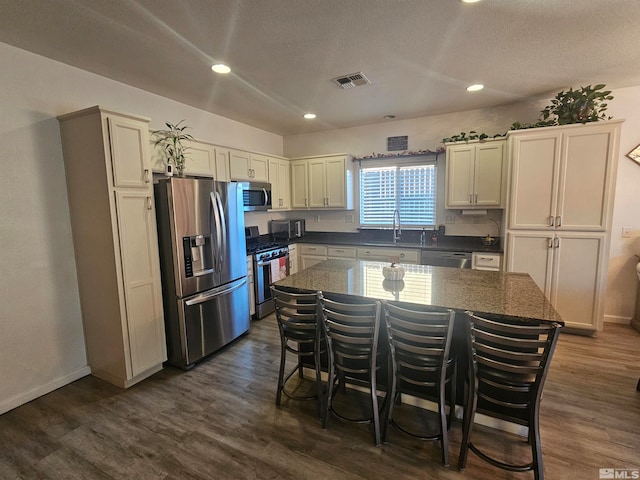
x,y
583,105
171,141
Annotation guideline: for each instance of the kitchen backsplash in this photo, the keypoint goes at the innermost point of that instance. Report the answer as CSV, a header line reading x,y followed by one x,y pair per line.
x,y
347,221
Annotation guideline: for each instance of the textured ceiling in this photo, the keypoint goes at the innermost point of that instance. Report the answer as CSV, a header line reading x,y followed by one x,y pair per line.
x,y
418,54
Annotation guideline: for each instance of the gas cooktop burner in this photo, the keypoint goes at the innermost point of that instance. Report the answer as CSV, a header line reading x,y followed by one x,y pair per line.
x,y
263,246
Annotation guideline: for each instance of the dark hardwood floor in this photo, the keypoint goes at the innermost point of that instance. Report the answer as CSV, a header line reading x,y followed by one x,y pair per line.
x,y
219,421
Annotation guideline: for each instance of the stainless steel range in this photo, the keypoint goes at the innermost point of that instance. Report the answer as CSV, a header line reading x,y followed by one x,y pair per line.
x,y
270,264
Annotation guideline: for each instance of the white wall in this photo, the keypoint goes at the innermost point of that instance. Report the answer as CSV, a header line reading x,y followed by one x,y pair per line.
x,y
41,337
427,133
622,279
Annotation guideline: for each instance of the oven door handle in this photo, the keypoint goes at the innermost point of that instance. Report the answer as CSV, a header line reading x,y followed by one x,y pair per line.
x,y
268,262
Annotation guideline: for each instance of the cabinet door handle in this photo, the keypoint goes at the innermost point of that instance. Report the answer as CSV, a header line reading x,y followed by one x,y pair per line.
x,y
556,242
550,242
475,198
471,199
146,175
305,202
558,221
551,221
149,204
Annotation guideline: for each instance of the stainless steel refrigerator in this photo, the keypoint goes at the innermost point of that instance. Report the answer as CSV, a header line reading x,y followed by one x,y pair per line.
x,y
203,265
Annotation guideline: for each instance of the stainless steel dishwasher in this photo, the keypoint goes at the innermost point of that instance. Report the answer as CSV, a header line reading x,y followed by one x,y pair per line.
x,y
439,258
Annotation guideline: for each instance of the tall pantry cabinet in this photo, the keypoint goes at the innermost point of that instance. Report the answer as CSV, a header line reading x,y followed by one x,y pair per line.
x,y
559,215
110,189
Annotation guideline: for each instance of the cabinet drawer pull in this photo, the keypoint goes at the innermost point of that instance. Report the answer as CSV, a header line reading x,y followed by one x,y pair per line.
x,y
551,221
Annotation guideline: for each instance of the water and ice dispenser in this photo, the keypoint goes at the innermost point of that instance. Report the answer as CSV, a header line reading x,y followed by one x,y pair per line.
x,y
197,255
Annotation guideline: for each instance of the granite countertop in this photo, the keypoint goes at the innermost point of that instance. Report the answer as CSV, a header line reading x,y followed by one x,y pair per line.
x,y
410,239
513,294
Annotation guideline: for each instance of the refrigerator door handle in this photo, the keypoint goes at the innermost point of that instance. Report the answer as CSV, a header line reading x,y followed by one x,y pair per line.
x,y
223,229
216,292
216,217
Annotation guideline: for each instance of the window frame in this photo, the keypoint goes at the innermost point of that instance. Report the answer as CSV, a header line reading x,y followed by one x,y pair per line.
x,y
397,164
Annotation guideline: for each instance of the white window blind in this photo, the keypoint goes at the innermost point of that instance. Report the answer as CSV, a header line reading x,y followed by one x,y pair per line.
x,y
409,188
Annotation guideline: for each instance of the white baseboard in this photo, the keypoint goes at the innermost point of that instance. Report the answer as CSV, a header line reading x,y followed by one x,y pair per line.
x,y
21,399
617,319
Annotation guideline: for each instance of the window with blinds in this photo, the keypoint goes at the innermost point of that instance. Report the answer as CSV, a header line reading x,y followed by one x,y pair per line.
x,y
411,189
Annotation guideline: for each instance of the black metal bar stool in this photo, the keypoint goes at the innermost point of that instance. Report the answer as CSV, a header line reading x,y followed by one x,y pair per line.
x,y
355,354
420,343
297,316
508,364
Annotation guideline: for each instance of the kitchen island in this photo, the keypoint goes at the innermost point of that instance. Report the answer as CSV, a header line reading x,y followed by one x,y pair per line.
x,y
513,294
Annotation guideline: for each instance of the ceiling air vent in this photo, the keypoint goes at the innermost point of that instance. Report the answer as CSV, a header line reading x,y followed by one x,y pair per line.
x,y
351,80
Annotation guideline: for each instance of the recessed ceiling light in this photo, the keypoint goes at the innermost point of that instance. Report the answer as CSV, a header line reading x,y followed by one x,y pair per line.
x,y
469,1
220,68
389,117
309,116
475,87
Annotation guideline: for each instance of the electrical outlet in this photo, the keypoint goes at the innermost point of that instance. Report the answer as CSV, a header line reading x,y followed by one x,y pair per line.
x,y
316,218
348,218
449,219
626,232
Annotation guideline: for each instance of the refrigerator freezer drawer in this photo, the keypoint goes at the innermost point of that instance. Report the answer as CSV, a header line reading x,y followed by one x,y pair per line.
x,y
208,321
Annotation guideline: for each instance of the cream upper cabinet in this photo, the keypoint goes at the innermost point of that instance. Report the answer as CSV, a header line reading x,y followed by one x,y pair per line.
x,y
131,163
476,175
246,166
299,186
107,167
279,177
222,173
200,160
239,165
322,182
562,177
569,267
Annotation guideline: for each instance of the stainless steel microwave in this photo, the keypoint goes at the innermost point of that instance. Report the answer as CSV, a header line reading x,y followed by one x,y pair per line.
x,y
256,196
287,229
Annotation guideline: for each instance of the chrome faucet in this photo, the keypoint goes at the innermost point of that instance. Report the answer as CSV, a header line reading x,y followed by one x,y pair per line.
x,y
397,231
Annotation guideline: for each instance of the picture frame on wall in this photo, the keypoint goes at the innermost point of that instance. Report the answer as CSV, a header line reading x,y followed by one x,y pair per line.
x,y
635,154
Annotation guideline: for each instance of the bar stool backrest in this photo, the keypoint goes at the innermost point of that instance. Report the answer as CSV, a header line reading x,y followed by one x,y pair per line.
x,y
509,364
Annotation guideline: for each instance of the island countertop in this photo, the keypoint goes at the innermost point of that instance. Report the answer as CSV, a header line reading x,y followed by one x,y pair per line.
x,y
513,294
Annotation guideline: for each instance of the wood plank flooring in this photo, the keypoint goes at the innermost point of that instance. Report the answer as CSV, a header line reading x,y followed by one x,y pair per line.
x,y
219,421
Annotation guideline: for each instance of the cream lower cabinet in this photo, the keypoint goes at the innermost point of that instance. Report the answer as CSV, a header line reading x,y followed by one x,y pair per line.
x,y
311,255
568,267
293,258
110,190
341,253
392,255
